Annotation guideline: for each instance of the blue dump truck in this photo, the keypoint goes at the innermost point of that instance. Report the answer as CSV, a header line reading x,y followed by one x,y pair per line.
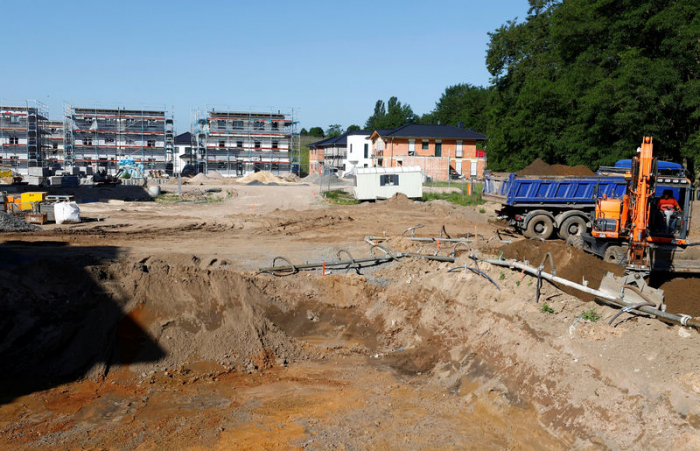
x,y
539,206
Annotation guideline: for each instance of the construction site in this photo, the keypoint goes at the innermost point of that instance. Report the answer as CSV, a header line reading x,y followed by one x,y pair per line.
x,y
259,313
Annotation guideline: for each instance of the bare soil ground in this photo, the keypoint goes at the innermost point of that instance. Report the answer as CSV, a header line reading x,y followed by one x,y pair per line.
x,y
150,327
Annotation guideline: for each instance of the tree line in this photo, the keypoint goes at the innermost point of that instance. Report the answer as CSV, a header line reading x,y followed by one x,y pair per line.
x,y
579,82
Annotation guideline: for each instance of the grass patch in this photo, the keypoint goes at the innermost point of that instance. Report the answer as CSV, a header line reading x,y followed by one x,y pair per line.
x,y
340,197
458,198
546,309
590,315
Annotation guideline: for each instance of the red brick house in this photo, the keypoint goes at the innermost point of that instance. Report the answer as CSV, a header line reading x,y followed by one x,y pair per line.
x,y
440,150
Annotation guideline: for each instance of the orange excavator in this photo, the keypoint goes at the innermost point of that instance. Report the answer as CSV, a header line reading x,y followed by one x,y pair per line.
x,y
646,230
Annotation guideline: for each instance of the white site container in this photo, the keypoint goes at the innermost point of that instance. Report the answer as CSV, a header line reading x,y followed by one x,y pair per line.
x,y
383,183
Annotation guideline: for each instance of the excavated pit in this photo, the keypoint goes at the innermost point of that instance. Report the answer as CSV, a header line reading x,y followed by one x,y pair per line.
x,y
183,340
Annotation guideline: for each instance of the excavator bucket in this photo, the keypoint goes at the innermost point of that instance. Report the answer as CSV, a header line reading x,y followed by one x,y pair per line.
x,y
632,290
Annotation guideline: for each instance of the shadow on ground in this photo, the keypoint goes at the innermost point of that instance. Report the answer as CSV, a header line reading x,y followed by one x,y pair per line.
x,y
62,318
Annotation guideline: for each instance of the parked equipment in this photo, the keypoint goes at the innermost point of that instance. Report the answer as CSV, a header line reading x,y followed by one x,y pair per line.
x,y
646,229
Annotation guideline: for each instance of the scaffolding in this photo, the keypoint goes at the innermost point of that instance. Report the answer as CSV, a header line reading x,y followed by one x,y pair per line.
x,y
97,138
23,133
237,141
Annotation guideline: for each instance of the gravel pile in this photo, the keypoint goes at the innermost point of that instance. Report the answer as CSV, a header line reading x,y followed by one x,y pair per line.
x,y
10,223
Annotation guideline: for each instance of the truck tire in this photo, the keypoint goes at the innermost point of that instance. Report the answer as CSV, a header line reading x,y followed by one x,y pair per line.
x,y
541,226
573,225
615,254
575,241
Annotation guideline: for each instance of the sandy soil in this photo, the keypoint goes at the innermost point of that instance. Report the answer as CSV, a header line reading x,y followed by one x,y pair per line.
x,y
150,327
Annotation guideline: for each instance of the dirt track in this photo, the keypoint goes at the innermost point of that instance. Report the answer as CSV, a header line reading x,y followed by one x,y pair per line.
x,y
150,328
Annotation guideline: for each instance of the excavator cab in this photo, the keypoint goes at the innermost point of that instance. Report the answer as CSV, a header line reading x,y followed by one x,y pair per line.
x,y
671,210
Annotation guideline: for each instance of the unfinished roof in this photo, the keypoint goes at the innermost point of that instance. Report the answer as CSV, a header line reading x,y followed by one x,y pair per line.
x,y
246,114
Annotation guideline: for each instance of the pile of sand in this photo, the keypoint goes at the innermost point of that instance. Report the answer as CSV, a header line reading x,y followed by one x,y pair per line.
x,y
539,167
263,177
199,178
214,175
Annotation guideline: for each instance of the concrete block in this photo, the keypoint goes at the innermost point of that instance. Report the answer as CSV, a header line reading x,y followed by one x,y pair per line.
x,y
34,180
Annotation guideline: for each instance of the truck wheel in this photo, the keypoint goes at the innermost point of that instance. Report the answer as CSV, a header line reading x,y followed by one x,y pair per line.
x,y
541,226
575,241
615,254
573,225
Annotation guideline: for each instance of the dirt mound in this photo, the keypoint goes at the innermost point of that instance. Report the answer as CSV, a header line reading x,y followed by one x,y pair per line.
x,y
579,170
398,199
147,314
264,177
199,178
571,263
214,175
540,168
680,295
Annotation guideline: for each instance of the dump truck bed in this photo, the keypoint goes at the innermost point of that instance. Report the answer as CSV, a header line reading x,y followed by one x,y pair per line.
x,y
561,191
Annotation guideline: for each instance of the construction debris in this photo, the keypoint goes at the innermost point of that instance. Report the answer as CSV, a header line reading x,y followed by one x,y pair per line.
x,y
11,223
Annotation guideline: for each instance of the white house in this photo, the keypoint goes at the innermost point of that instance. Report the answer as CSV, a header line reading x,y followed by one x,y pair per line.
x,y
359,151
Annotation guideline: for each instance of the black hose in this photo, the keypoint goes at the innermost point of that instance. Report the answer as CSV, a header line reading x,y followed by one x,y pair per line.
x,y
629,309
476,271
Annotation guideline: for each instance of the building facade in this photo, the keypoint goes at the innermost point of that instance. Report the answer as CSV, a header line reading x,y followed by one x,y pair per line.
x,y
442,151
97,139
23,136
237,143
359,151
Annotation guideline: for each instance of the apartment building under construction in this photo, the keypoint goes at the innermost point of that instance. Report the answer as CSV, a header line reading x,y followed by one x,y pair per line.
x,y
23,137
98,139
236,143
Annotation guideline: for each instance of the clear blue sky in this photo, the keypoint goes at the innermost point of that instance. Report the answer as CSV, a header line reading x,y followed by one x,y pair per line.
x,y
328,60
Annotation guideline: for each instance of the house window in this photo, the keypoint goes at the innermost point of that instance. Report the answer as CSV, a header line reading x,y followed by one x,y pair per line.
x,y
151,143
151,123
152,163
438,148
14,119
109,140
87,141
458,150
221,123
425,144
275,125
222,144
239,144
14,160
366,151
411,148
14,140
55,146
389,179
256,144
259,125
275,145
238,125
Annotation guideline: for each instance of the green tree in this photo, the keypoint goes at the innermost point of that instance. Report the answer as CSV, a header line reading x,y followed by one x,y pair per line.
x,y
391,115
334,130
461,103
303,132
316,131
581,81
353,128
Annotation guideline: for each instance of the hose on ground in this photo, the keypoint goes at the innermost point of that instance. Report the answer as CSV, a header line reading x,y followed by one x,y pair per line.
x,y
476,271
